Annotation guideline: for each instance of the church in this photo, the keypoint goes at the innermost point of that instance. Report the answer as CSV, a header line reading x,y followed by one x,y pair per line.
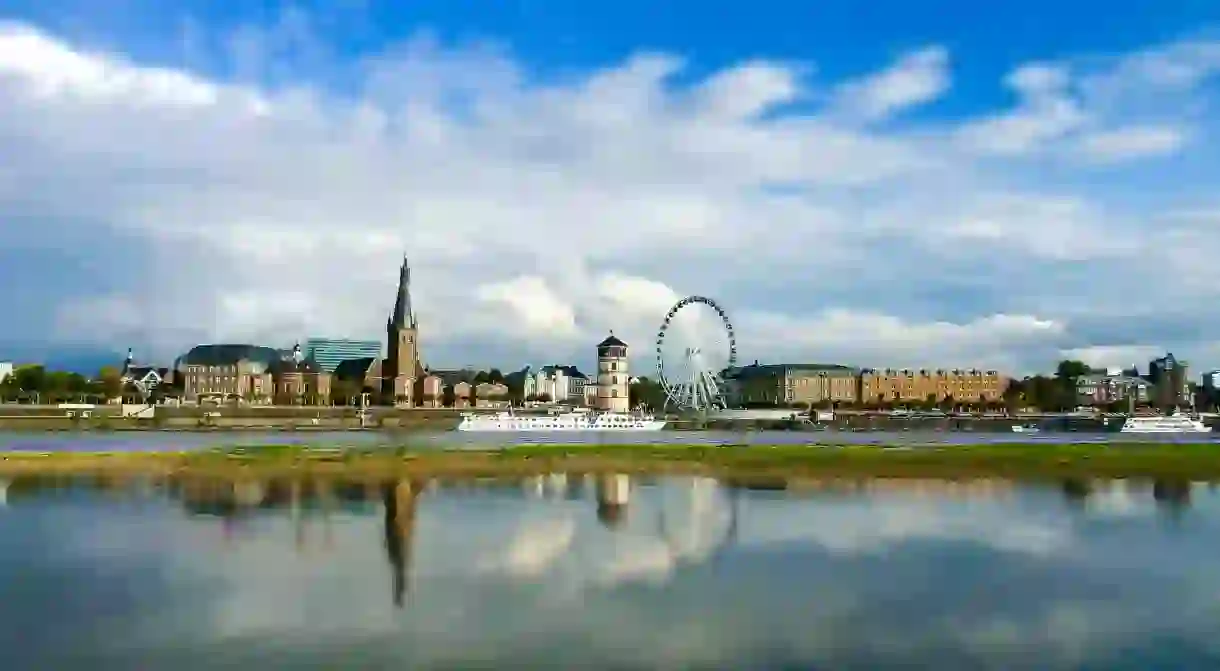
x,y
398,379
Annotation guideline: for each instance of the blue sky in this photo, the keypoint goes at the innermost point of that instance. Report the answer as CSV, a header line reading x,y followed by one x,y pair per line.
x,y
963,184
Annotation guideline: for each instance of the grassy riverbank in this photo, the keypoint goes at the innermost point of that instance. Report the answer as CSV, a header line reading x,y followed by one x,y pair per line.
x,y
1194,461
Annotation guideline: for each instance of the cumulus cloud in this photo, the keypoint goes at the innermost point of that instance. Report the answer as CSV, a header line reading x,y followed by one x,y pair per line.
x,y
542,212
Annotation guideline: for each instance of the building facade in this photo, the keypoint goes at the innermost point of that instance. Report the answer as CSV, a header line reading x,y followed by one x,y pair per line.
x,y
1106,389
788,384
6,370
328,353
250,373
560,384
613,375
914,386
1171,380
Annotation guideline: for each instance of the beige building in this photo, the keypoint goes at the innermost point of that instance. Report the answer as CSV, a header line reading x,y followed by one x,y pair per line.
x,y
787,384
913,386
252,374
490,395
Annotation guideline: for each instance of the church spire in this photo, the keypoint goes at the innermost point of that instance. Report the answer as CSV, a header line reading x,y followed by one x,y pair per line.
x,y
404,316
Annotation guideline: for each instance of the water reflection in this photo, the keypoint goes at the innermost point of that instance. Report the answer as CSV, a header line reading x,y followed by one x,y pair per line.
x,y
574,570
400,502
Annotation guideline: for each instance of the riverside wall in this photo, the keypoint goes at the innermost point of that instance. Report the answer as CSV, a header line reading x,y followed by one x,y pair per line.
x,y
184,418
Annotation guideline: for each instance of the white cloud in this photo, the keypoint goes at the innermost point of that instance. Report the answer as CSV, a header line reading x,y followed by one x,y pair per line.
x,y
916,78
1115,356
539,213
1046,112
1131,143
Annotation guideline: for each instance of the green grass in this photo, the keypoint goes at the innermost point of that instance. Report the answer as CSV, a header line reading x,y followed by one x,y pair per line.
x,y
1017,460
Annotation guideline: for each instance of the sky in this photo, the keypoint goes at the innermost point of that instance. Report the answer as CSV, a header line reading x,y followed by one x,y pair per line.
x,y
919,184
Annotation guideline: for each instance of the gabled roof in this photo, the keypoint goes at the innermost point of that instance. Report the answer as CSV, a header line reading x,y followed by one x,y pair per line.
x,y
354,369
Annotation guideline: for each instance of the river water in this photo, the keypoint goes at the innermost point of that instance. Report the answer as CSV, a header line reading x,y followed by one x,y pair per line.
x,y
606,572
187,440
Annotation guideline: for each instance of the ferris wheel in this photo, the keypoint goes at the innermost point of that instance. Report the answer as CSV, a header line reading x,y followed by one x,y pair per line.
x,y
695,344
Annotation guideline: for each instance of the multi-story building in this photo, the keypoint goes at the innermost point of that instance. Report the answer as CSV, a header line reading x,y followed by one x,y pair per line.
x,y
6,369
251,373
561,384
328,353
1112,388
490,395
913,386
1211,380
1171,380
785,384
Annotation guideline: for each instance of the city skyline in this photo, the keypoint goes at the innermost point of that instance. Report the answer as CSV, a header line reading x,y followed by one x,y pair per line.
x,y
931,186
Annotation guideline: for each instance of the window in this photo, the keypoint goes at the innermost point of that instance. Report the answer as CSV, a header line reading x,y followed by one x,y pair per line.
x,y
613,379
613,366
614,393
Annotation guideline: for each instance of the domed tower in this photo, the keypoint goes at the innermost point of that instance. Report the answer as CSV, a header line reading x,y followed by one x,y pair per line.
x,y
612,375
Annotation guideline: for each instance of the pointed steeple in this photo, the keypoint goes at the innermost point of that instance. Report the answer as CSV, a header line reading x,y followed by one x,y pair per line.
x,y
404,316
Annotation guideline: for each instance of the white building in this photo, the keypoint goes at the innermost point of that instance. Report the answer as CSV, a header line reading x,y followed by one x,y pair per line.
x,y
6,369
561,384
613,378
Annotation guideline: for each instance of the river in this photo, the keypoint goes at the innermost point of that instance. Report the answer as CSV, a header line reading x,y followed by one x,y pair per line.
x,y
608,573
198,440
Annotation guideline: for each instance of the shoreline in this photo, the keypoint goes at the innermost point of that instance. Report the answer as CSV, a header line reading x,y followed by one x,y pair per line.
x,y
1193,461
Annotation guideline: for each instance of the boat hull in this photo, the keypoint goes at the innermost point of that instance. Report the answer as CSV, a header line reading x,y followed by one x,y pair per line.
x,y
1164,431
524,427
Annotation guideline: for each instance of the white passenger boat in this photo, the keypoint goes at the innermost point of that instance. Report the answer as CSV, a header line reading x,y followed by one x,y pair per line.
x,y
1025,428
1164,424
563,422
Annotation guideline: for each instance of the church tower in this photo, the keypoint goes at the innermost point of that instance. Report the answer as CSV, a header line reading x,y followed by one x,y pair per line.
x,y
402,344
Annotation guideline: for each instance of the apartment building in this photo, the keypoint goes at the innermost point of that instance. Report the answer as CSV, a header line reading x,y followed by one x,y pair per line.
x,y
911,386
1105,389
792,383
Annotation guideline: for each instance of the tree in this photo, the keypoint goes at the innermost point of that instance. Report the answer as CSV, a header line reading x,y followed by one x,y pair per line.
x,y
1070,369
448,397
647,393
544,398
495,376
109,382
31,379
479,378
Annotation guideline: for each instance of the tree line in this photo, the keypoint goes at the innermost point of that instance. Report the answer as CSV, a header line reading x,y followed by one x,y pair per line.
x,y
36,384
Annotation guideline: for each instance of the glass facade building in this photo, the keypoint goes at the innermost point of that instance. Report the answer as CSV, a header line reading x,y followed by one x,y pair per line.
x,y
328,353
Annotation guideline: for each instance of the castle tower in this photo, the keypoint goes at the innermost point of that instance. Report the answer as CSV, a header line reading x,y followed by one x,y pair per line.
x,y
402,344
612,375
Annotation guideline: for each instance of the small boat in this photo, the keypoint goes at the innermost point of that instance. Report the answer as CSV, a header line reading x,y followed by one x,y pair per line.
x,y
1026,428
